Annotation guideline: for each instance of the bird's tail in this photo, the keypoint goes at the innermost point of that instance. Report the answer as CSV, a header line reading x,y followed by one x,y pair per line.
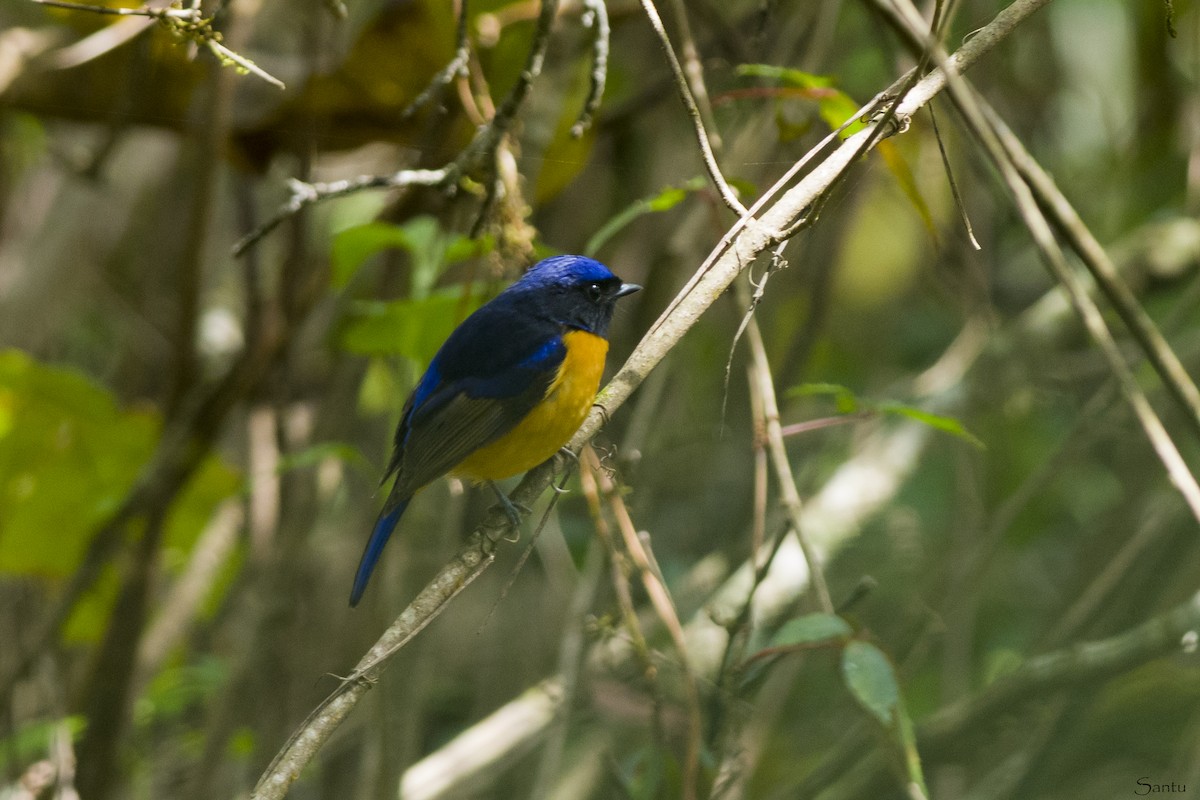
x,y
379,536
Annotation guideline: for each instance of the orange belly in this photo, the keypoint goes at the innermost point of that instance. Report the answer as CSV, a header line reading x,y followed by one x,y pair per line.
x,y
552,422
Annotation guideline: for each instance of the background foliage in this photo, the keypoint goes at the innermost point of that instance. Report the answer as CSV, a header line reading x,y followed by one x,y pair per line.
x,y
190,441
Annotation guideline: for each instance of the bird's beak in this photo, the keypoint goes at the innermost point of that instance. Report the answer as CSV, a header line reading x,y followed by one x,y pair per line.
x,y
627,288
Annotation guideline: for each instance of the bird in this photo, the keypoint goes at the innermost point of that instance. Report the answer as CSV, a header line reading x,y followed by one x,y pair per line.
x,y
506,390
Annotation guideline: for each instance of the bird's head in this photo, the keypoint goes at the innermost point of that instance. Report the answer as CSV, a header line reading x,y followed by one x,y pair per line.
x,y
572,290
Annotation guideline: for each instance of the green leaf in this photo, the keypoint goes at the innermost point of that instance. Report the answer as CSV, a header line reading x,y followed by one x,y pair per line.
x,y
847,403
844,399
785,75
811,629
414,328
665,200
431,248
936,421
908,184
68,457
870,678
353,246
834,106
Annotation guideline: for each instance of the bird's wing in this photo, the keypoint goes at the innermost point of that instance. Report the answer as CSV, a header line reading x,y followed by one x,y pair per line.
x,y
487,377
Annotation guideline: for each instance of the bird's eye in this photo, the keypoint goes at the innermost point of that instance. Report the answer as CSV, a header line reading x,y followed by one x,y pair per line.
x,y
595,291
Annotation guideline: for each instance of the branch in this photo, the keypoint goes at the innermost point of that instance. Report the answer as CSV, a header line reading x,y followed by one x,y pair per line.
x,y
467,565
304,194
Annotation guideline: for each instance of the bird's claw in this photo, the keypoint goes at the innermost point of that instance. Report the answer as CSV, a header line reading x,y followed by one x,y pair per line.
x,y
514,511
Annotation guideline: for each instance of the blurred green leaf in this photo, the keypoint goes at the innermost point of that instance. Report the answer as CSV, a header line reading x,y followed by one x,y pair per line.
x,y
180,689
68,457
414,328
936,421
810,629
908,184
353,246
382,390
870,678
844,399
431,248
847,402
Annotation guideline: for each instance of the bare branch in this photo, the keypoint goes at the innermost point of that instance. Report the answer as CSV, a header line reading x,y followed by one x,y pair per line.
x,y
186,23
456,68
595,15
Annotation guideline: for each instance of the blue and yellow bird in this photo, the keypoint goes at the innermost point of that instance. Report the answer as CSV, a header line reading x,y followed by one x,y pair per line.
x,y
507,390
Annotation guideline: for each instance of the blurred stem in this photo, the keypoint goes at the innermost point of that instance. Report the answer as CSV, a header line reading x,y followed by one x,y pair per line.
x,y
210,130
638,547
621,580
570,661
789,496
108,694
1161,356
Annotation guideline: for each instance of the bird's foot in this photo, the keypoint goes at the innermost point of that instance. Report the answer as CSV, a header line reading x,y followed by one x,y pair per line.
x,y
564,459
514,511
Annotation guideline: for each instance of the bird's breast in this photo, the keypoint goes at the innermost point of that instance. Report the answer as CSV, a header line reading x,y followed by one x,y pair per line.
x,y
552,422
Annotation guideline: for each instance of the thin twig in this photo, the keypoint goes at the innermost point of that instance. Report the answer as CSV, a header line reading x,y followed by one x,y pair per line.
x,y
455,69
304,194
1166,363
595,15
689,102
588,479
694,70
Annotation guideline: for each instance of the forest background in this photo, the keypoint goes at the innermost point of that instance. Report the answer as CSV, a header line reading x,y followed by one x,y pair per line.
x,y
893,494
